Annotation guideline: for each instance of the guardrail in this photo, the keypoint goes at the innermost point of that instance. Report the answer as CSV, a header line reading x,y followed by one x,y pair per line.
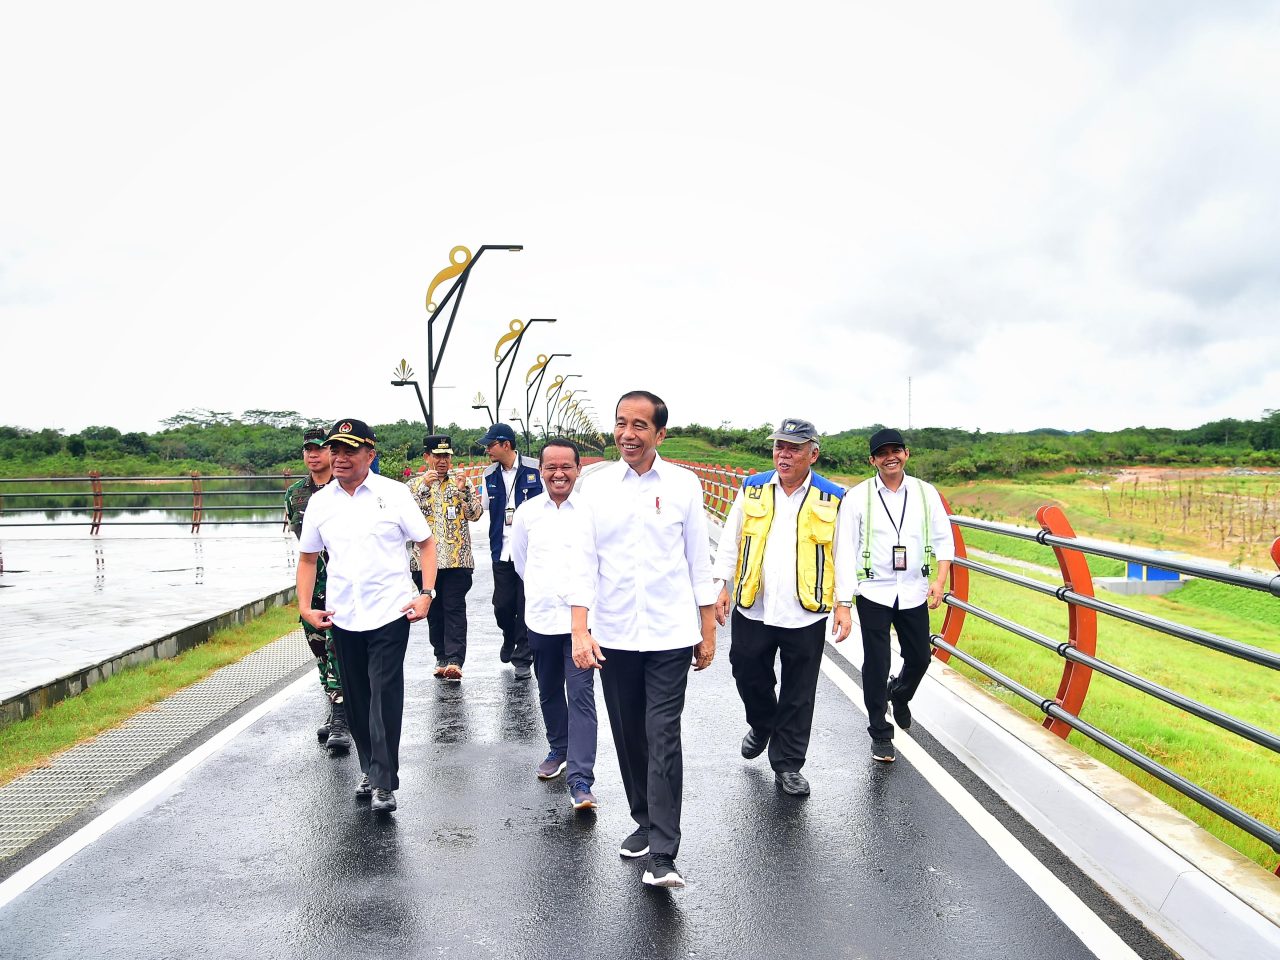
x,y
1078,651
98,492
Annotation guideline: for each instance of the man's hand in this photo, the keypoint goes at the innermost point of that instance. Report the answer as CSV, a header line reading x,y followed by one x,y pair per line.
x,y
705,651
841,623
586,652
431,478
320,619
723,605
937,590
417,608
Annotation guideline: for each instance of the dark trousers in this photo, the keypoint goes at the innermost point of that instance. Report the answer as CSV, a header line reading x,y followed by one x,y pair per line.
x,y
912,627
372,663
508,610
447,616
644,695
787,717
571,719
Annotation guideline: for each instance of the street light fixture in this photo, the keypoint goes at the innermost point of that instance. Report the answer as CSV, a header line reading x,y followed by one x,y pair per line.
x,y
460,263
553,392
513,338
532,383
404,378
481,405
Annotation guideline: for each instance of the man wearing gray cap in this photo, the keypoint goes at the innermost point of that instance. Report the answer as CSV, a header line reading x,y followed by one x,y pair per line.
x,y
777,568
899,535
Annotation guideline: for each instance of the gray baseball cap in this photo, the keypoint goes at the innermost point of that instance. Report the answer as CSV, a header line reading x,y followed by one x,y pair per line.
x,y
795,431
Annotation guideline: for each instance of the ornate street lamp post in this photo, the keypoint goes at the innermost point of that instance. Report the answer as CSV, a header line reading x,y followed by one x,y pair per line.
x,y
532,382
404,378
513,339
460,263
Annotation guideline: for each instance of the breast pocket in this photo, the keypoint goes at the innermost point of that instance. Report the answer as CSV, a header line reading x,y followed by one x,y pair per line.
x,y
822,525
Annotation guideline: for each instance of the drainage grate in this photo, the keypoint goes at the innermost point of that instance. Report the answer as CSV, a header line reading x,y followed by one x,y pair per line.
x,y
39,802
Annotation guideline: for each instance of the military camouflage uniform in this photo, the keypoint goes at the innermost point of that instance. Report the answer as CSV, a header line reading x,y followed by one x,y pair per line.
x,y
320,641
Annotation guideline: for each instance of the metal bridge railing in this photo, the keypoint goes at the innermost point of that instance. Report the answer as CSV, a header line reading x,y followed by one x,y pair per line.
x,y
1079,651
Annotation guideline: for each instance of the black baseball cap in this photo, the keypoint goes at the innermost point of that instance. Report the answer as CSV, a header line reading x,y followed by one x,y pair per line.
x,y
353,433
314,437
882,438
499,431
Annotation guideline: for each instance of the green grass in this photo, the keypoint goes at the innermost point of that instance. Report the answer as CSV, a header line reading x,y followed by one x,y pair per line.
x,y
30,743
1032,552
700,451
1240,772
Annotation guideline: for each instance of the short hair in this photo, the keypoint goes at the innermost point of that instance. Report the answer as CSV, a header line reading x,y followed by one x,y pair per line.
x,y
659,406
561,442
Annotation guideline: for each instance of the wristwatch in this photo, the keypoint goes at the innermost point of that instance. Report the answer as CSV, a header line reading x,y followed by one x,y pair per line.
x,y
429,592
844,603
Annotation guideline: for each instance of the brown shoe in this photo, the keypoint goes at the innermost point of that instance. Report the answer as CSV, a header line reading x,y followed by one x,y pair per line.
x,y
440,670
453,672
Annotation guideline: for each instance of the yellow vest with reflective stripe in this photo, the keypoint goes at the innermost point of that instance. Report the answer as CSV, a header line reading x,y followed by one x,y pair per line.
x,y
815,538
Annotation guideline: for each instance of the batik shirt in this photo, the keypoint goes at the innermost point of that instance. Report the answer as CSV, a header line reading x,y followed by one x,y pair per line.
x,y
447,507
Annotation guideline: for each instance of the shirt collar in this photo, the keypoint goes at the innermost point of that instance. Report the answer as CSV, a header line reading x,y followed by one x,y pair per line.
x,y
879,484
804,486
658,468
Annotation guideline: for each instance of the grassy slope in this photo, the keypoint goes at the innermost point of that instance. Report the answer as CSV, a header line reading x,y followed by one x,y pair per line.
x,y
32,742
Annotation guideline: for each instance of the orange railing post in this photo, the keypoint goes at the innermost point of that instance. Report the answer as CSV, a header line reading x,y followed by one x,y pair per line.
x,y
1082,623
953,621
95,478
197,501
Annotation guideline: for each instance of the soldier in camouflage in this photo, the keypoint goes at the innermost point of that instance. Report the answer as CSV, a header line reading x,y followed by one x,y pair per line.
x,y
333,732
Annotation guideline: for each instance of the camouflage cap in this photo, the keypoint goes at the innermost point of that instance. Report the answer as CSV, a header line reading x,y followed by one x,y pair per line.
x,y
314,437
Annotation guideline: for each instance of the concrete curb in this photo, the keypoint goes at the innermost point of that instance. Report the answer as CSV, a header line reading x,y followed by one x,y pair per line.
x,y
170,645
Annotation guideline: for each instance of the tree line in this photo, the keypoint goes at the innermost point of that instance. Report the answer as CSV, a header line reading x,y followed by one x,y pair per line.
x,y
268,441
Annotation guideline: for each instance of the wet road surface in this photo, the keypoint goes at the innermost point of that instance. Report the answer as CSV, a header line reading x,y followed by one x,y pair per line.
x,y
262,850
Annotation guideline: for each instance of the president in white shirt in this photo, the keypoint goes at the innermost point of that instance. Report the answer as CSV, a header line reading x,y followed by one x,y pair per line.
x,y
654,613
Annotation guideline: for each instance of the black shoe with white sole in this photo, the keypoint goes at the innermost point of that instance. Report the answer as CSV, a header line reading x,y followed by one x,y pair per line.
x,y
636,845
882,750
662,871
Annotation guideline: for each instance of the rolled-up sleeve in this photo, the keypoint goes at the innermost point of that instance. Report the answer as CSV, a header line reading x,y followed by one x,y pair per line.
x,y
846,551
944,544
730,538
697,546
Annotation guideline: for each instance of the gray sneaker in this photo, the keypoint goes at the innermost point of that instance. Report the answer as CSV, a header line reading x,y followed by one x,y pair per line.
x,y
365,790
384,801
551,767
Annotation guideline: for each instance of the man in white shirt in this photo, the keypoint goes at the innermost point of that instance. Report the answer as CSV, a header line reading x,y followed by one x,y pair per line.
x,y
363,521
776,566
552,549
654,611
899,535
508,482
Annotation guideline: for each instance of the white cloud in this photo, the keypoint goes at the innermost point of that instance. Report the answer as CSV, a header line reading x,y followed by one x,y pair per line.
x,y
1043,217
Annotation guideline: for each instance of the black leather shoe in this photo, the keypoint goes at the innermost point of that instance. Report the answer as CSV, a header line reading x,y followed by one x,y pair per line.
x,y
753,744
792,782
901,706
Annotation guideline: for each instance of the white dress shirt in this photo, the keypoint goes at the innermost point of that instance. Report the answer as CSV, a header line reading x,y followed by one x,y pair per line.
x,y
552,550
886,586
365,533
777,603
653,558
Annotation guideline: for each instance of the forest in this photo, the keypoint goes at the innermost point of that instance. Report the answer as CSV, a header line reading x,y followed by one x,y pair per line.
x,y
268,441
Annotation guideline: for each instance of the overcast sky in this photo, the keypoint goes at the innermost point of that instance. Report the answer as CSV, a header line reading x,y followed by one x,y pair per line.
x,y
1058,214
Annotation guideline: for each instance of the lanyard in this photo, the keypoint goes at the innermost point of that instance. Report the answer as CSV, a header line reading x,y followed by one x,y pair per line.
x,y
897,527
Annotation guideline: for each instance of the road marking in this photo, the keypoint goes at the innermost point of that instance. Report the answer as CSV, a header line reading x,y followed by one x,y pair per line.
x,y
154,788
1092,930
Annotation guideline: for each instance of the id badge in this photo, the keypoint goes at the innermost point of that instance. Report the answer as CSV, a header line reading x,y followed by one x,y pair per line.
x,y
451,512
899,558
511,515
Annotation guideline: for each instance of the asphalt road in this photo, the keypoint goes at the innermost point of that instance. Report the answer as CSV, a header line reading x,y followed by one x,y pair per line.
x,y
262,850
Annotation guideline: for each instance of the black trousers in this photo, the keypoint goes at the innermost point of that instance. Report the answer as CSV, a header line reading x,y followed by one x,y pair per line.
x,y
372,663
447,616
787,716
508,610
644,695
913,636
